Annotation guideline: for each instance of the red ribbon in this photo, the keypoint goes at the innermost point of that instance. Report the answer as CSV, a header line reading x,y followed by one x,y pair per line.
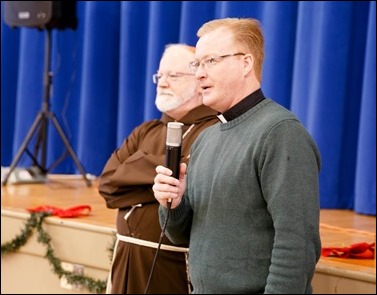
x,y
76,211
359,250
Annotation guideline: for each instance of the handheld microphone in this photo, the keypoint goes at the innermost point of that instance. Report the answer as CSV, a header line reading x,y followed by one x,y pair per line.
x,y
173,148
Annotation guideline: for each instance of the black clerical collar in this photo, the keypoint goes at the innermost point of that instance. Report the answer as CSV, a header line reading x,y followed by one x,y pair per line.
x,y
243,106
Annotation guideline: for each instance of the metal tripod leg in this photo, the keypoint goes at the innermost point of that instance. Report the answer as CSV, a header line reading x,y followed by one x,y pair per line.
x,y
69,147
23,147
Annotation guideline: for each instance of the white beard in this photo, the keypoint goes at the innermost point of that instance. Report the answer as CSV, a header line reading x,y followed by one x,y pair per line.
x,y
167,102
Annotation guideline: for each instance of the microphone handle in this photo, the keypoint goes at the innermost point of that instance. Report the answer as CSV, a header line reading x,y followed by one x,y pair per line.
x,y
173,159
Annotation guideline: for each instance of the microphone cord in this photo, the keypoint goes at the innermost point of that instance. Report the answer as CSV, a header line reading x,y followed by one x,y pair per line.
x,y
158,247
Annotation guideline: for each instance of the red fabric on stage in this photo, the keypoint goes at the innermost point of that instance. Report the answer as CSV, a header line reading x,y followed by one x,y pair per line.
x,y
359,250
76,211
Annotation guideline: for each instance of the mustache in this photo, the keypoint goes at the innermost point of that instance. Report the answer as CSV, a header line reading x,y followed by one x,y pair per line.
x,y
165,94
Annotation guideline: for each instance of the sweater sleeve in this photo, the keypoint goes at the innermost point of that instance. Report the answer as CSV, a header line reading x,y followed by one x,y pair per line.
x,y
289,176
179,223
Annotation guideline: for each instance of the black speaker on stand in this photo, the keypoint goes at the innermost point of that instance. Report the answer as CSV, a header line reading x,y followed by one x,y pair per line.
x,y
43,15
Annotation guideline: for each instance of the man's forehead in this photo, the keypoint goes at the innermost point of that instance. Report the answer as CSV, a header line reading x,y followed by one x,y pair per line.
x,y
176,63
214,42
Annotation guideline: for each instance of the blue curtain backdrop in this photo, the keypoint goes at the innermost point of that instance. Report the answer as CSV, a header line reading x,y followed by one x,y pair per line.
x,y
320,63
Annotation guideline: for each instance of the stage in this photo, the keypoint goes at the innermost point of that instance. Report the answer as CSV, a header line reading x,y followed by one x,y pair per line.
x,y
84,242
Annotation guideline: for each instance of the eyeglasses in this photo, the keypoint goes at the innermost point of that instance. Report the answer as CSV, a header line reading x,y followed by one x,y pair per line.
x,y
210,61
171,76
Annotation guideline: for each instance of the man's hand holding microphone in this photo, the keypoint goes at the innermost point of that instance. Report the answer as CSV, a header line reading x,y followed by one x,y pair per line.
x,y
170,181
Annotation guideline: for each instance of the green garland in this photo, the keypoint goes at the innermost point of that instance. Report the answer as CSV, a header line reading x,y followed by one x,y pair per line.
x,y
35,221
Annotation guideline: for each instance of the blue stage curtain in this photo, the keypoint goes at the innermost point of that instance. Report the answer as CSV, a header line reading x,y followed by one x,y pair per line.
x,y
320,62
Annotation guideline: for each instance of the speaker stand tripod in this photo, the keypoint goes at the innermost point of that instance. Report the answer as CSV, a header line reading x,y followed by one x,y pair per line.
x,y
41,122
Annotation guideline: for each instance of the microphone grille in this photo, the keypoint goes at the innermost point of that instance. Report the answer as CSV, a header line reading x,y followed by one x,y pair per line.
x,y
174,134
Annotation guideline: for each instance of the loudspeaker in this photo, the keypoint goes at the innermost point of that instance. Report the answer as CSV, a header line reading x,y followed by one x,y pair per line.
x,y
41,14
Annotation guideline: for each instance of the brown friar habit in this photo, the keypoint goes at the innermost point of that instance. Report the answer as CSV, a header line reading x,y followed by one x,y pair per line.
x,y
126,181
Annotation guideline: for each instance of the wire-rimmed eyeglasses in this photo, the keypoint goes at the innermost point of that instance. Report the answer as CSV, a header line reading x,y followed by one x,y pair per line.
x,y
169,77
210,61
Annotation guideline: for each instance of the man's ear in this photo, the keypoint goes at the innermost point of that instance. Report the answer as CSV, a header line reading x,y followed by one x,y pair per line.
x,y
248,63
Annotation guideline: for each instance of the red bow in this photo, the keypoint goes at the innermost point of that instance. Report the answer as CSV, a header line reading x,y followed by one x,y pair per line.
x,y
75,211
359,250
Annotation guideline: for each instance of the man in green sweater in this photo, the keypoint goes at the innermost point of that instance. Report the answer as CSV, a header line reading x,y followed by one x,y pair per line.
x,y
249,204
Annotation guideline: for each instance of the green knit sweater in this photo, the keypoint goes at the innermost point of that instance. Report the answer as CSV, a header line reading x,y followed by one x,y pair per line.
x,y
251,208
